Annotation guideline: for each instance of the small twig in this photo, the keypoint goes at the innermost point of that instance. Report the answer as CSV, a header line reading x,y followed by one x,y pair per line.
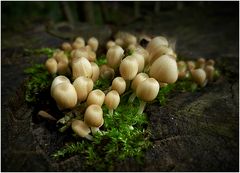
x,y
46,115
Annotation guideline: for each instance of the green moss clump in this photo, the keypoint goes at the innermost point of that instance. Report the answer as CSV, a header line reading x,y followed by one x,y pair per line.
x,y
45,51
124,135
39,81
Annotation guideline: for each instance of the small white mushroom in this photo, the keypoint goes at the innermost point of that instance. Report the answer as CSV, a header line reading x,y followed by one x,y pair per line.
x,y
81,129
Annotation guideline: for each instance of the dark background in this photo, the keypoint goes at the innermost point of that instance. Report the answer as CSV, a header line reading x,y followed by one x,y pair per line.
x,y
202,134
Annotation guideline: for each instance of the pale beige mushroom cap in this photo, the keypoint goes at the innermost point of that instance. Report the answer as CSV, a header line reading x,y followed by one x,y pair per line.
x,y
164,69
65,95
51,65
138,79
80,128
114,56
156,42
119,84
128,68
148,89
93,42
93,116
57,80
83,86
199,76
81,67
112,99
96,97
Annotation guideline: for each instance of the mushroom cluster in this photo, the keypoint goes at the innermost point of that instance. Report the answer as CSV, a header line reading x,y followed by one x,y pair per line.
x,y
149,66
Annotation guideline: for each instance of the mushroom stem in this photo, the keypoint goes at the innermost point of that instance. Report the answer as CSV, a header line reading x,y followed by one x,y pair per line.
x,y
95,130
89,137
110,111
141,107
132,97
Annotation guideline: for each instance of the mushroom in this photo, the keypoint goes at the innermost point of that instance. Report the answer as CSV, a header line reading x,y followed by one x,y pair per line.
x,y
119,84
199,76
119,42
96,97
51,65
114,56
147,91
81,67
159,51
110,44
65,95
78,53
191,65
210,62
93,117
57,80
106,72
83,86
128,68
182,69
140,50
200,63
95,71
66,46
93,42
164,69
60,57
209,69
112,100
78,43
136,81
62,68
140,60
81,129
156,42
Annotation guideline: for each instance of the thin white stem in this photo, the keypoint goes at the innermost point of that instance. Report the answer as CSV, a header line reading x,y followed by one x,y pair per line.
x,y
89,137
132,97
95,130
110,111
141,107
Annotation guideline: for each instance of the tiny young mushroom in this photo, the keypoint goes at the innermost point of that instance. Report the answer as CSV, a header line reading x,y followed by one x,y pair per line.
x,y
210,62
191,65
81,67
93,117
110,44
83,86
65,95
62,68
93,42
96,97
164,69
66,46
81,129
182,69
51,65
112,100
114,56
147,91
106,72
209,69
199,76
136,81
57,80
119,84
200,63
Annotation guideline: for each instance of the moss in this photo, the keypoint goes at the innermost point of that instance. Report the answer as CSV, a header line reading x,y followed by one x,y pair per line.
x,y
39,81
124,135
